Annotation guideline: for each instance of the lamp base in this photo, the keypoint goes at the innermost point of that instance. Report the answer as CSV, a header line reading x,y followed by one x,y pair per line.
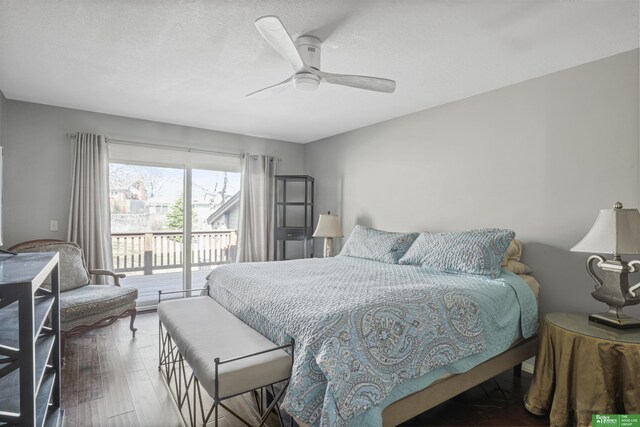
x,y
613,319
614,290
328,247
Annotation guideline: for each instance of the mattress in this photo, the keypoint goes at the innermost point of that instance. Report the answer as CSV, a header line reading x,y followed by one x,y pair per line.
x,y
343,375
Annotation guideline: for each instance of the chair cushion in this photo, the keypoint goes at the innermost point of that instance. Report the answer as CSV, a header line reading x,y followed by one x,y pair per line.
x,y
203,330
73,270
92,299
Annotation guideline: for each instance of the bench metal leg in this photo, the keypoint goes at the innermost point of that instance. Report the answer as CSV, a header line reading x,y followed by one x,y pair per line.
x,y
185,390
273,393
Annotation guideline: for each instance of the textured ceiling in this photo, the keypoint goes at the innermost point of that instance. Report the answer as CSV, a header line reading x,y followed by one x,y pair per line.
x,y
192,62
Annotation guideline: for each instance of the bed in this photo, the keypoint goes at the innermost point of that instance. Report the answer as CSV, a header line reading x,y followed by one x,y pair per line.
x,y
380,343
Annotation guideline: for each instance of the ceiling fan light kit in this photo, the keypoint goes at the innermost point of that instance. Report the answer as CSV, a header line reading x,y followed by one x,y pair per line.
x,y
305,56
306,82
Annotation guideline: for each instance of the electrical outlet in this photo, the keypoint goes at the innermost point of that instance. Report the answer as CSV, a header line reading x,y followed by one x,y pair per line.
x,y
53,225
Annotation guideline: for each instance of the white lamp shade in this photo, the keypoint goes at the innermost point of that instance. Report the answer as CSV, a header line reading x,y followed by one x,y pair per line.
x,y
328,226
616,231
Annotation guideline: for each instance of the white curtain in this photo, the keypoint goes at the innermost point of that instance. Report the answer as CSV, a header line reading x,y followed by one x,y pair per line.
x,y
255,228
89,214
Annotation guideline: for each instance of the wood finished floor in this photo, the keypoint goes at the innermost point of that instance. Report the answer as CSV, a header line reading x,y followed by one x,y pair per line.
x,y
111,379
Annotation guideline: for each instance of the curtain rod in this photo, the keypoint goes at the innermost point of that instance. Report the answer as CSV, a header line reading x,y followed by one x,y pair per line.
x,y
164,147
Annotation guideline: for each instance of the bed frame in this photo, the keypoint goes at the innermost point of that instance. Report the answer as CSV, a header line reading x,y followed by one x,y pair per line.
x,y
453,384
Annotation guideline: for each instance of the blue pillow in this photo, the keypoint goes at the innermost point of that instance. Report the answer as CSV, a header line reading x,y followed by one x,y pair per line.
x,y
470,252
377,245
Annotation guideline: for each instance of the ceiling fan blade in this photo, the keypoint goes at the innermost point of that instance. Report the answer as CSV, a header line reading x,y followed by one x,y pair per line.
x,y
276,35
270,90
361,82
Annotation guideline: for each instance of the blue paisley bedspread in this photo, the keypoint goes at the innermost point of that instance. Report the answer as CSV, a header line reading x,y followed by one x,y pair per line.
x,y
367,332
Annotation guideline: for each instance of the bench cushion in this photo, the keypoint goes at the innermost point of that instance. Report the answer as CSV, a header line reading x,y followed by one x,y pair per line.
x,y
202,330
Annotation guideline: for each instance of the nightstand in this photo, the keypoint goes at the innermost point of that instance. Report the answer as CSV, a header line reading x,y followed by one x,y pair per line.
x,y
584,368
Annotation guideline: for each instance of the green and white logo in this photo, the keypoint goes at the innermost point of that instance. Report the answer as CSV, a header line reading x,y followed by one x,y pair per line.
x,y
604,420
615,420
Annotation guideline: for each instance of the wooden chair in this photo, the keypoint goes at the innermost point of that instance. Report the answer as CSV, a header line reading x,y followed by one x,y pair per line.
x,y
84,306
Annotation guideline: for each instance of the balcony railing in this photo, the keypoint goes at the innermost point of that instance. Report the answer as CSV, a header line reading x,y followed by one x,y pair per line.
x,y
149,251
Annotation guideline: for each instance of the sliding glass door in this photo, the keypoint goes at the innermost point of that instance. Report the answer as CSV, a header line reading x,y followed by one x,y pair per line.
x,y
147,227
215,205
170,226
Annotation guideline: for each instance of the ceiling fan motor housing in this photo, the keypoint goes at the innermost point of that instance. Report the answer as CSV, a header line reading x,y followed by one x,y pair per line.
x,y
309,50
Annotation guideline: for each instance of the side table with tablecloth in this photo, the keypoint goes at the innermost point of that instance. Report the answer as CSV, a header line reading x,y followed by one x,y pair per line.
x,y
584,368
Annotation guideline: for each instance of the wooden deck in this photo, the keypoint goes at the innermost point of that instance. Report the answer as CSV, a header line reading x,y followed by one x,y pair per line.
x,y
149,285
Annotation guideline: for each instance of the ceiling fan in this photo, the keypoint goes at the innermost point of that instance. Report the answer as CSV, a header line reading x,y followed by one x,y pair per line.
x,y
304,57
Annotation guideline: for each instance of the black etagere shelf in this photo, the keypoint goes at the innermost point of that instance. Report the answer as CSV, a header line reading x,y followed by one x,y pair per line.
x,y
30,340
294,213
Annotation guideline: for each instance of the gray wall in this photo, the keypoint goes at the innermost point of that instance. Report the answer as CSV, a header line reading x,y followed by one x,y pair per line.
x,y
38,159
3,101
2,143
540,157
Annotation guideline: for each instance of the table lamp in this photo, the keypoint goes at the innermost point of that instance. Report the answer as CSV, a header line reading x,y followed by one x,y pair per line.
x,y
617,232
328,227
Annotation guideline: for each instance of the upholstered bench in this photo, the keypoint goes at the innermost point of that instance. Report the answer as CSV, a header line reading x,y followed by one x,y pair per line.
x,y
226,356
